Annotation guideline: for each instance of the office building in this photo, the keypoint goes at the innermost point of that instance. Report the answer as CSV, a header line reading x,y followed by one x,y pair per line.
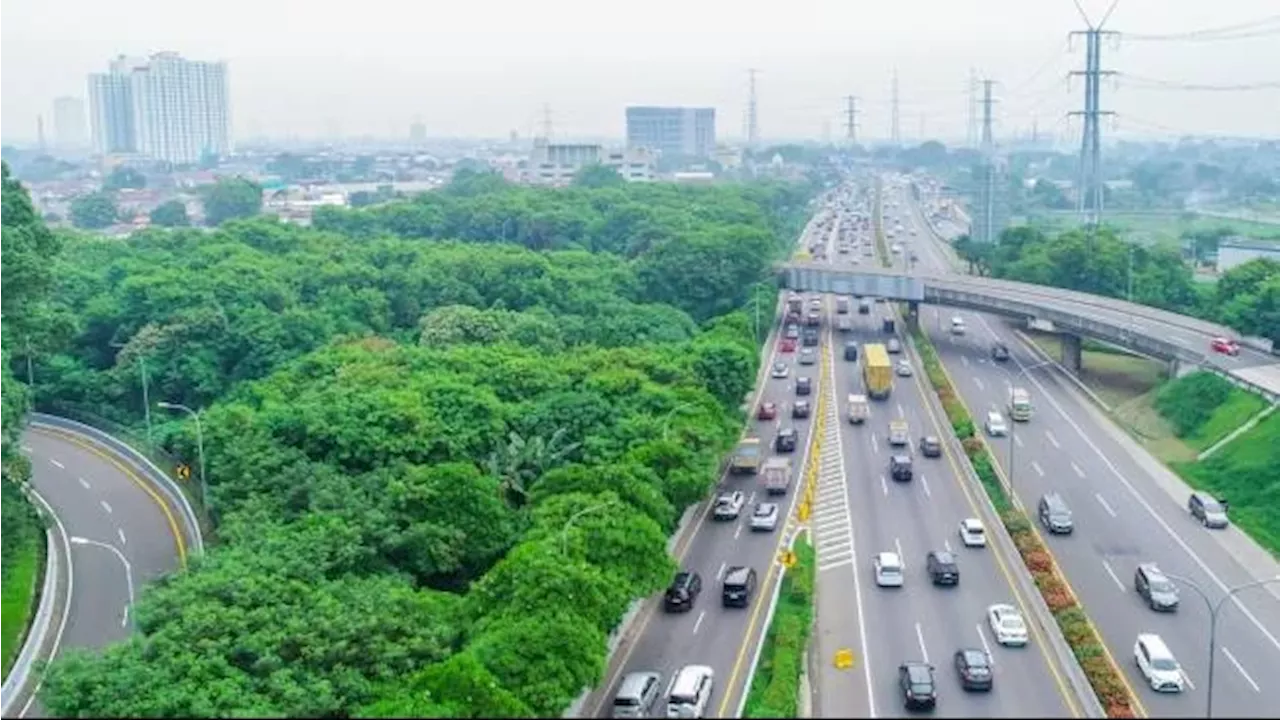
x,y
557,164
672,131
163,107
69,131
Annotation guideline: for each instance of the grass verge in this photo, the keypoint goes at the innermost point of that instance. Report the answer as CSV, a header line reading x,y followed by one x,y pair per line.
x,y
1114,375
19,586
1104,677
775,687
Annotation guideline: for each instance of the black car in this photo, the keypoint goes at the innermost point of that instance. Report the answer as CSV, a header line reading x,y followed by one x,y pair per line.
x,y
800,409
851,351
739,586
999,352
785,441
804,386
919,691
942,568
810,337
974,668
900,467
930,446
683,592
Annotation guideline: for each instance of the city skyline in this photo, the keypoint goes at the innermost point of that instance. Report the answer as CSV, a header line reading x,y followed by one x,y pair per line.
x,y
318,84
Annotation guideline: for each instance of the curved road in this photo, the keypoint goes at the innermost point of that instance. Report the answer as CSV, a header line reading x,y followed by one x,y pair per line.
x,y
120,535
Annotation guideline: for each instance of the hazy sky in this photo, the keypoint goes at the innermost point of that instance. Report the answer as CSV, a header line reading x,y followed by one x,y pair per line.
x,y
308,68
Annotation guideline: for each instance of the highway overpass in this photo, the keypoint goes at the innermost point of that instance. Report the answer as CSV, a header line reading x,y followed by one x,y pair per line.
x,y
1181,340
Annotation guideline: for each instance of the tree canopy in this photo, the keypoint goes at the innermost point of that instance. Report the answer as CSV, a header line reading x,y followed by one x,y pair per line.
x,y
94,211
427,424
230,198
172,213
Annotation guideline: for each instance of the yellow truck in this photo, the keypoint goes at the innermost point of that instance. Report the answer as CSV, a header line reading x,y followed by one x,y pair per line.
x,y
1020,405
746,458
877,371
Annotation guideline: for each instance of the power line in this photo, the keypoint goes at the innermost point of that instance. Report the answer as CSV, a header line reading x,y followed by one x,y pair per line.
x,y
1238,31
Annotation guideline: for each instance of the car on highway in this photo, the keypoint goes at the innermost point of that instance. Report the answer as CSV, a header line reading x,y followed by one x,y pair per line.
x,y
690,692
899,433
919,690
792,332
999,352
683,592
1154,586
973,533
974,668
1226,346
888,569
942,567
787,345
808,356
1157,664
729,505
1210,512
1055,515
1007,624
738,586
786,439
636,695
780,370
851,351
996,426
931,446
893,346
800,409
767,411
903,368
900,468
765,517
804,385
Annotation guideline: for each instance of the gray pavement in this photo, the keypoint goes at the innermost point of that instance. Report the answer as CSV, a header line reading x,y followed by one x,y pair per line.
x,y
1128,509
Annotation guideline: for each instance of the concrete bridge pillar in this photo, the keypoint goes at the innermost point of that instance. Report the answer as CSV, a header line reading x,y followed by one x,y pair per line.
x,y
1071,352
913,315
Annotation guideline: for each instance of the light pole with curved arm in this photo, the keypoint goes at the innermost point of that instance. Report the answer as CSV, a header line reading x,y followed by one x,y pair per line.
x,y
204,486
1013,378
564,531
1214,610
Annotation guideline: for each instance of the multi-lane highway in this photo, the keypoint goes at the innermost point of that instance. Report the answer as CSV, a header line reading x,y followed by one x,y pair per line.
x,y
860,511
724,639
1128,509
119,532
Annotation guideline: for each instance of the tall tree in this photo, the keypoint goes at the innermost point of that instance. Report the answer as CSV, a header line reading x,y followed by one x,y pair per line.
x,y
94,211
172,213
230,198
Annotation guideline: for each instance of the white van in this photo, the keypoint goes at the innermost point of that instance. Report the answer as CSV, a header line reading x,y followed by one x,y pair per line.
x,y
957,325
1157,664
690,692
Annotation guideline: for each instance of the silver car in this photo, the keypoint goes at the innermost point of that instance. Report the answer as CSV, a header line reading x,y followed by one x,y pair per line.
x,y
765,517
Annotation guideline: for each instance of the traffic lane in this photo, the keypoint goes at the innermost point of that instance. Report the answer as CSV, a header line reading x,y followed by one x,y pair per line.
x,y
98,501
912,519
1119,539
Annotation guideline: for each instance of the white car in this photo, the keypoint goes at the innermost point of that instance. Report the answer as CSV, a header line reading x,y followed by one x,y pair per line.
x,y
903,368
996,426
765,517
888,567
1157,664
1007,624
728,506
972,533
780,370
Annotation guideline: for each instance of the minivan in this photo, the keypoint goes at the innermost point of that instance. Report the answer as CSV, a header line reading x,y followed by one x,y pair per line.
x,y
690,692
636,695
1055,515
739,586
1157,663
1155,587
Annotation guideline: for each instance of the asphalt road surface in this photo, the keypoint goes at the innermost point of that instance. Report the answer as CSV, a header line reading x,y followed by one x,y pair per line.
x,y
121,537
1127,509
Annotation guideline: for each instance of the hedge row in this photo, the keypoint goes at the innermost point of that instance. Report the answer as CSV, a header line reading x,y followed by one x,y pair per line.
x,y
1080,634
775,688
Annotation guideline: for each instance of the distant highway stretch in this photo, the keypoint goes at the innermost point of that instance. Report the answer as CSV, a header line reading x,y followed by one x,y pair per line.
x,y
1127,509
119,532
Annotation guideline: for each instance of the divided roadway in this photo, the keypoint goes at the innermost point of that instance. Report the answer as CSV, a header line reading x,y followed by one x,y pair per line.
x,y
1127,509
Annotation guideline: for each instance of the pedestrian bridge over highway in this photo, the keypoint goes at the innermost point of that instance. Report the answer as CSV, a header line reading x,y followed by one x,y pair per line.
x,y
1181,340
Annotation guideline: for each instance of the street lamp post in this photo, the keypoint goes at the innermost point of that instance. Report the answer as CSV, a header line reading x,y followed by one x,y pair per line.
x,y
1214,610
1023,370
564,531
204,486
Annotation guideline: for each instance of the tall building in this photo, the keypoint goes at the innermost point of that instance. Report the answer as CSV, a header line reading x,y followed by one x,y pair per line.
x,y
164,107
69,123
672,131
417,132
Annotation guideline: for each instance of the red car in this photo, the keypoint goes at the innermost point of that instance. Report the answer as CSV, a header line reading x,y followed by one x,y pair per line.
x,y
787,345
767,411
1225,346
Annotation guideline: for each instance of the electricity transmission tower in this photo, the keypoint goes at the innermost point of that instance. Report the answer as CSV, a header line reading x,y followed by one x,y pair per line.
x,y
851,119
989,225
895,131
971,138
753,126
1089,200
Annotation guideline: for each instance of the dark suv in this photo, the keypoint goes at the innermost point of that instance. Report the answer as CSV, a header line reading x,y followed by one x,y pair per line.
x,y
900,467
1155,587
683,592
800,409
851,351
739,586
999,352
785,441
942,568
804,386
919,691
1055,515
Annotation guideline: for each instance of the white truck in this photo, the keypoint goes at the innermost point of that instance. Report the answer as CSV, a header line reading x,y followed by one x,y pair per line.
x,y
1020,408
777,475
858,409
899,433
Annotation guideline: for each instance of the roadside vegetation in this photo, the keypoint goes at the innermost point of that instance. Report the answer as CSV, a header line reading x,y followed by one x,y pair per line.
x,y
447,438
27,278
1080,634
775,687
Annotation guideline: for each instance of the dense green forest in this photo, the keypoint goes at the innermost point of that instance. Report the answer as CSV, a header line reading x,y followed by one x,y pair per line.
x,y
1246,297
447,438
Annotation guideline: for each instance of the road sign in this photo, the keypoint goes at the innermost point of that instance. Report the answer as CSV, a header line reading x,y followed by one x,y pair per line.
x,y
184,472
788,559
844,659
